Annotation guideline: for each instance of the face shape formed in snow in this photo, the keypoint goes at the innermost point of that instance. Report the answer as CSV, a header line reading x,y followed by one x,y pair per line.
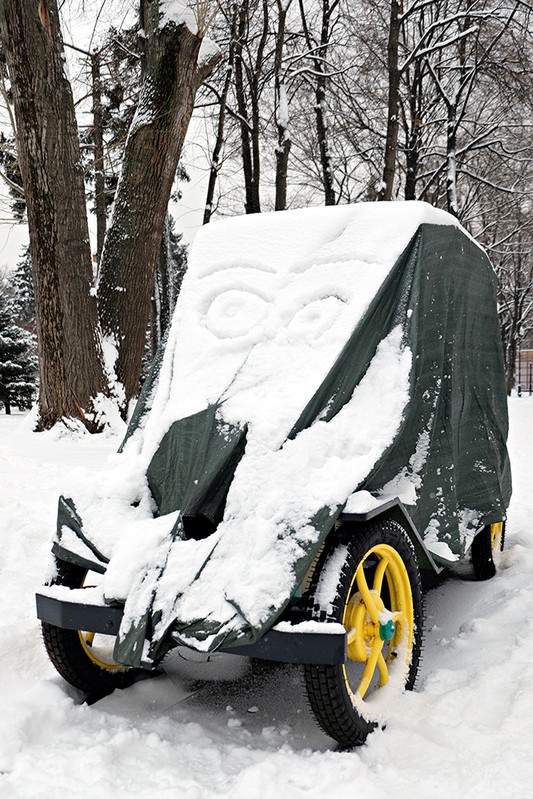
x,y
246,330
266,307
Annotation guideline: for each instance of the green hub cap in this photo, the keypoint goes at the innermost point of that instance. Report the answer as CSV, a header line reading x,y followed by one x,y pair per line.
x,y
386,631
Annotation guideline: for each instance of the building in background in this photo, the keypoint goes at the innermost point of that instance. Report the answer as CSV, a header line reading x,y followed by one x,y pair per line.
x,y
524,365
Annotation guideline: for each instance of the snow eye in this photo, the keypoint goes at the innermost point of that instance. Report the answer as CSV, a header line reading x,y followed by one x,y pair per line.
x,y
315,318
235,313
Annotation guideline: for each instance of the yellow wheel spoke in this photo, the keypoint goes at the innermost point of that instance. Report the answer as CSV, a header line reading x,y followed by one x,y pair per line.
x,y
89,638
383,670
355,625
370,667
380,573
367,596
352,635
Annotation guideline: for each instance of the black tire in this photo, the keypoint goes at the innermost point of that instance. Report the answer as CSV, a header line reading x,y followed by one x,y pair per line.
x,y
486,546
75,656
335,595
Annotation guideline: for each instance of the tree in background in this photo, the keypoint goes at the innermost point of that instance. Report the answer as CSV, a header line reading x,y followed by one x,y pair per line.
x,y
317,101
70,356
18,360
21,285
171,268
70,352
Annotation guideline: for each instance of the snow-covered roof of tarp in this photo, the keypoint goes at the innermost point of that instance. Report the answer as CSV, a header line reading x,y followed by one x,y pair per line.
x,y
316,357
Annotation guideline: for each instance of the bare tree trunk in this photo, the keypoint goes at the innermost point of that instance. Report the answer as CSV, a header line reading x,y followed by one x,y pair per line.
x,y
151,156
242,108
71,370
282,111
412,150
323,138
164,296
98,143
255,93
321,83
320,107
391,141
219,139
451,161
247,80
510,353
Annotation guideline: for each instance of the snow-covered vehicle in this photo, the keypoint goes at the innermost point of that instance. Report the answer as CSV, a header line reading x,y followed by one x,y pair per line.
x,y
328,422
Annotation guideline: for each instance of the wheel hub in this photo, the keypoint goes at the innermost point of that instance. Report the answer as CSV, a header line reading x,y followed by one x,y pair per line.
x,y
387,630
362,631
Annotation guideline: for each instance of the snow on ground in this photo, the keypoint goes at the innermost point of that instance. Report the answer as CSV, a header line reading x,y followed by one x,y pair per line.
x,y
238,729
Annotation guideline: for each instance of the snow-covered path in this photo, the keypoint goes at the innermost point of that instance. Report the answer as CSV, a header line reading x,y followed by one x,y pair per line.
x,y
230,728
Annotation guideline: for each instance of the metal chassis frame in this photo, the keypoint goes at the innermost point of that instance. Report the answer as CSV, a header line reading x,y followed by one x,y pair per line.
x,y
287,647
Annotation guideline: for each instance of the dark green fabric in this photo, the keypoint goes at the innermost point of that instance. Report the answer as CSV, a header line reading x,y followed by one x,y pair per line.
x,y
144,403
387,309
457,389
194,465
68,516
442,292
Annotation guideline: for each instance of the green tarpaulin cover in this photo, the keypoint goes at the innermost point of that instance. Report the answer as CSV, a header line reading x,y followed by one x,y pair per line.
x,y
428,341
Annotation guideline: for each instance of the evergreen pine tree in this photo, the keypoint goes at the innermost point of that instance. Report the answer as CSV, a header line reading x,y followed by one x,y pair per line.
x,y
169,275
18,362
178,254
21,284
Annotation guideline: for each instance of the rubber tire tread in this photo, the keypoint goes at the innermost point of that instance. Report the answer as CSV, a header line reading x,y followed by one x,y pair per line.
x,y
481,553
327,695
67,654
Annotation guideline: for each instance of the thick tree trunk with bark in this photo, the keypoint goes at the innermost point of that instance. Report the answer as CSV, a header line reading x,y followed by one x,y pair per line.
x,y
151,157
71,369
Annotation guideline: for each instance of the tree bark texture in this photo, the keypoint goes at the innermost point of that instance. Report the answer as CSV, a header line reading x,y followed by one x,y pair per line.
x,y
153,148
321,87
99,168
71,370
413,134
391,140
247,78
164,296
451,161
282,110
320,107
219,140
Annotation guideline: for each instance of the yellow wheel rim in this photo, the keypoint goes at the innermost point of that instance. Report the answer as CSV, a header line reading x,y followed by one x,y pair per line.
x,y
93,648
496,532
87,642
375,630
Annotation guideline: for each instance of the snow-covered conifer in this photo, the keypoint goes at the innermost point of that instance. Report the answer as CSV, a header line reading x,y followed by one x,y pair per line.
x,y
18,361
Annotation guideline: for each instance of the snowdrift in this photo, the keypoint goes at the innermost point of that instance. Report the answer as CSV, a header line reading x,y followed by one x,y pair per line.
x,y
320,360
